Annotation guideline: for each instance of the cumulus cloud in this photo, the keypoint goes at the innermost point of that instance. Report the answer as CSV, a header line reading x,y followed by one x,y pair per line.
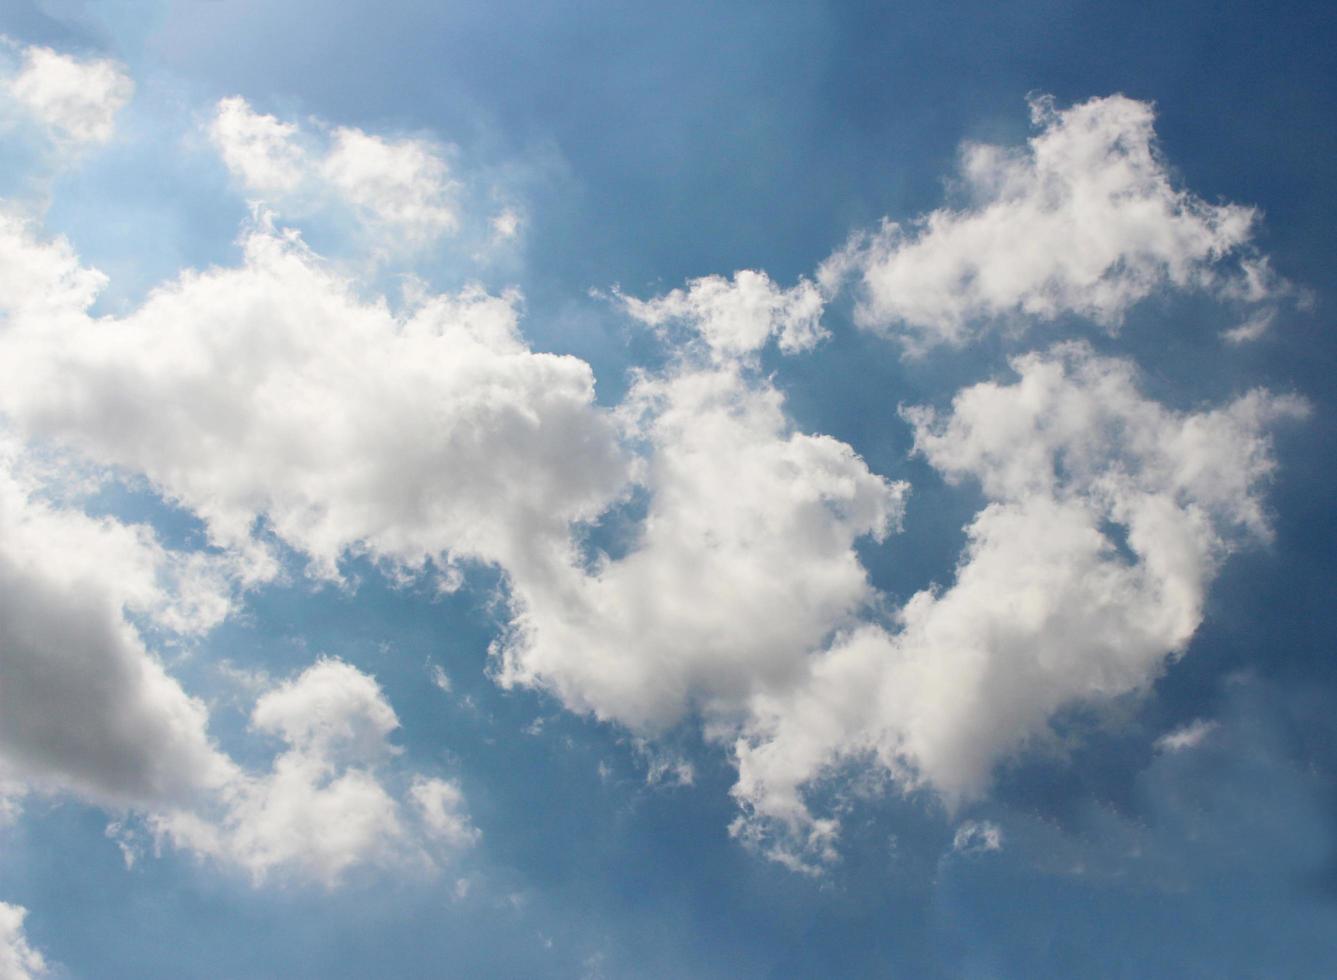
x,y
76,100
402,185
440,805
18,960
271,392
743,563
433,433
41,278
738,316
1083,219
266,155
399,189
85,707
277,402
324,807
1108,516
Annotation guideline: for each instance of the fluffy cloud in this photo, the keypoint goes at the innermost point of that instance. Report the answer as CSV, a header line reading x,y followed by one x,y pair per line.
x,y
18,960
400,190
84,706
263,153
401,185
323,807
275,401
440,806
41,279
76,100
1108,517
433,434
272,392
1084,219
271,395
740,316
742,564
87,709
282,350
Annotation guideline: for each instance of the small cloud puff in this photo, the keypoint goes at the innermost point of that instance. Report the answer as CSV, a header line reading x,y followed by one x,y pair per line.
x,y
76,100
1187,737
977,837
738,317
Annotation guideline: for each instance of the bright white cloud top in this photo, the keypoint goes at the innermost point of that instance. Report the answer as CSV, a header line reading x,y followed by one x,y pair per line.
x,y
1083,220
741,315
286,405
400,189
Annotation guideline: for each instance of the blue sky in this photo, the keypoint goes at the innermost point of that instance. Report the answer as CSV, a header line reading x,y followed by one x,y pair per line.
x,y
606,490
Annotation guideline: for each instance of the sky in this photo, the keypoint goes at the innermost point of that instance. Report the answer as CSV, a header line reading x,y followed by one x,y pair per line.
x,y
621,490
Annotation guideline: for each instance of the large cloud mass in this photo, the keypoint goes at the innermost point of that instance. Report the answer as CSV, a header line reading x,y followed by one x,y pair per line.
x,y
279,402
272,391
743,562
86,709
1107,519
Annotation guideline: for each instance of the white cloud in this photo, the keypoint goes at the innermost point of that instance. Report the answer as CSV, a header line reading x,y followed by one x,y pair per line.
x,y
1187,737
399,189
18,960
272,399
271,394
740,316
84,706
265,154
743,563
332,710
402,185
271,391
440,679
12,793
87,709
663,767
1253,328
440,803
977,837
506,224
76,100
1049,608
324,808
1084,219
41,279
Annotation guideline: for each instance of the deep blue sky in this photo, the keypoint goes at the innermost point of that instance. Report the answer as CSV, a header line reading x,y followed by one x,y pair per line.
x,y
651,144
